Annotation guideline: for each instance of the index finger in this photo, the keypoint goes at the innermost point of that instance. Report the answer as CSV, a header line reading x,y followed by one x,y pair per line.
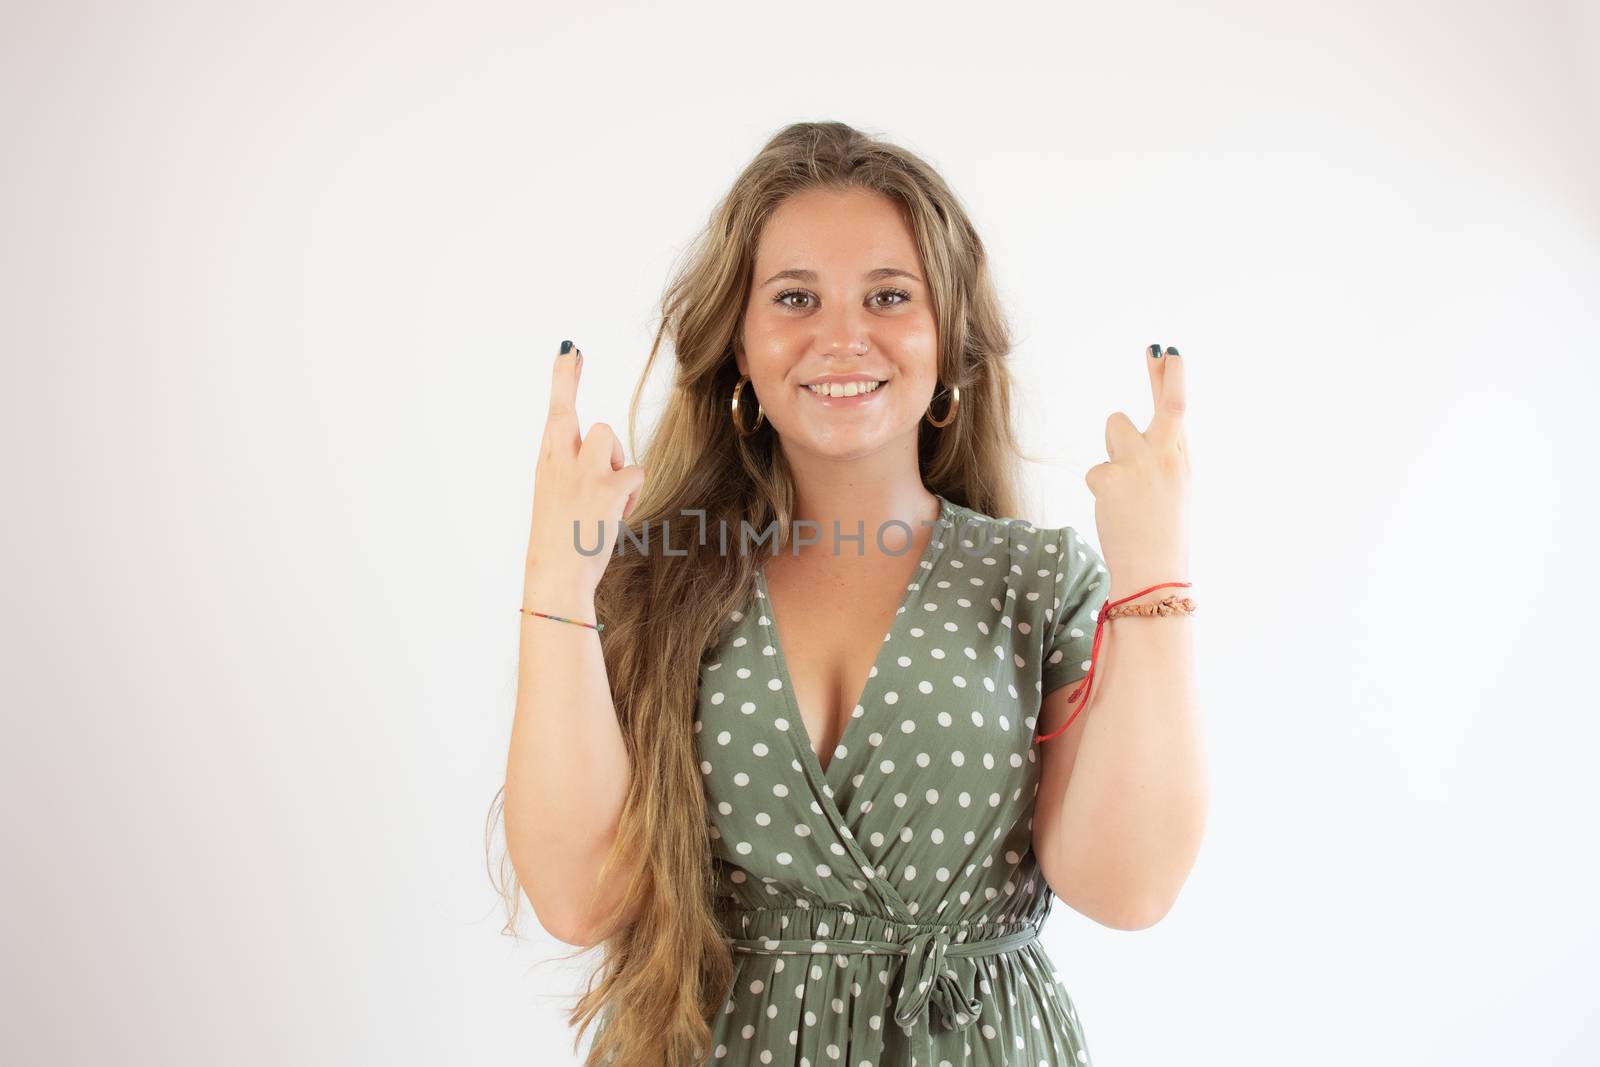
x,y
561,422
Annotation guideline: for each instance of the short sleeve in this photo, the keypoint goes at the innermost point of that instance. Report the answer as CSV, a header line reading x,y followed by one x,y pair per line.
x,y
1082,584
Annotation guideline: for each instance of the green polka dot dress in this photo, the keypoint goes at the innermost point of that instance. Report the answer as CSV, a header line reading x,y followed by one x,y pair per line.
x,y
885,911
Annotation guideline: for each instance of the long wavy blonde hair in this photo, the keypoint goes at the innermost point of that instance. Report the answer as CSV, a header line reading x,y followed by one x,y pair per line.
x,y
668,969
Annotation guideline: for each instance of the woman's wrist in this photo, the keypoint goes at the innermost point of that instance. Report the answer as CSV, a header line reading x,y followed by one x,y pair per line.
x,y
1131,581
557,592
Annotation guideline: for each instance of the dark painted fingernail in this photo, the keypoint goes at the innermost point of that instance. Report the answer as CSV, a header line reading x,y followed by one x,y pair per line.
x,y
1155,350
1171,351
566,346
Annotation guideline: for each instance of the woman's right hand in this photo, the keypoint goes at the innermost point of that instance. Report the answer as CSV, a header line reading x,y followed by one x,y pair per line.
x,y
578,480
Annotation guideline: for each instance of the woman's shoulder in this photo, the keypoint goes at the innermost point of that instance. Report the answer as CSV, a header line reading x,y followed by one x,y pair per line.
x,y
1025,554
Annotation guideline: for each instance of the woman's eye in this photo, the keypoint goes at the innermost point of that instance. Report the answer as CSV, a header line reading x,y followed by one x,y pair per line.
x,y
783,297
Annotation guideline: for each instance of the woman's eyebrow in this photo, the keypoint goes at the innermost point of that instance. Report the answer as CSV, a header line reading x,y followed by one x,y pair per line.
x,y
810,275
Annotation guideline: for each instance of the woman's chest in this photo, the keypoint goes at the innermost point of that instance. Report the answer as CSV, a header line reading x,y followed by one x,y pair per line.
x,y
940,752
947,663
831,628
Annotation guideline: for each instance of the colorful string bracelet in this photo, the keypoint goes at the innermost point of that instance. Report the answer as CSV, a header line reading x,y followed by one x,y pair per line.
x,y
597,627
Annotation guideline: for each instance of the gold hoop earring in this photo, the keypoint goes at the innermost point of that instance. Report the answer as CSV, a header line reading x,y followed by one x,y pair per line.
x,y
761,415
955,405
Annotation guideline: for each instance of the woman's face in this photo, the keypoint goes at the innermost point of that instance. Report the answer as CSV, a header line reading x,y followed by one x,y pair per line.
x,y
838,291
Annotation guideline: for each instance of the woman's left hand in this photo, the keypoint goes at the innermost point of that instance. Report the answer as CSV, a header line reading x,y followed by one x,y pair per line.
x,y
1141,494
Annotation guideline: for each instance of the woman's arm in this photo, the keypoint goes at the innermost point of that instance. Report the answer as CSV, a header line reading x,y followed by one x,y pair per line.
x,y
568,770
1121,811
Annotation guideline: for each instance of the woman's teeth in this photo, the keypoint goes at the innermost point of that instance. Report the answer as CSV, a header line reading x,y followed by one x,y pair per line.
x,y
844,389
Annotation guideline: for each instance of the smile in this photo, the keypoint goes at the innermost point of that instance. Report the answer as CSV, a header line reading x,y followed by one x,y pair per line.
x,y
846,394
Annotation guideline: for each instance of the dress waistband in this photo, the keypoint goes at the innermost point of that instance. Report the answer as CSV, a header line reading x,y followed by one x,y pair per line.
x,y
926,984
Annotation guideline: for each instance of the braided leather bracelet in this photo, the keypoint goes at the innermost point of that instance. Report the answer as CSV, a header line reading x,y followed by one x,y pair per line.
x,y
1171,605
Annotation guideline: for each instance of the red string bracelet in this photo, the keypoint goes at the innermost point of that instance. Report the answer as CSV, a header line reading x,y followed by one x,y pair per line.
x,y
1108,610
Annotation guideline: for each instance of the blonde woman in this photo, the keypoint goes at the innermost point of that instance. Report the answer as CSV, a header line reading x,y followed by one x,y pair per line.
x,y
812,796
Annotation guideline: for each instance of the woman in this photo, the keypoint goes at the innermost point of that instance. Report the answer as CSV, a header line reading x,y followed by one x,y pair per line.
x,y
796,789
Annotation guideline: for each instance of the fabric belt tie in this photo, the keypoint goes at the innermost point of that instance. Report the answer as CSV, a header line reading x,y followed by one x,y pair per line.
x,y
927,986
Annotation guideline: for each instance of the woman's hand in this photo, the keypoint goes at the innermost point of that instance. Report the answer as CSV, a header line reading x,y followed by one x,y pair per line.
x,y
1141,494
578,480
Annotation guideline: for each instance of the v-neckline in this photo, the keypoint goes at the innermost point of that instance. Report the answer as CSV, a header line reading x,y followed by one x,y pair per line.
x,y
919,575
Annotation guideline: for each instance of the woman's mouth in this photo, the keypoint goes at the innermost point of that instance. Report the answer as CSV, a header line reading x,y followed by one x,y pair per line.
x,y
844,394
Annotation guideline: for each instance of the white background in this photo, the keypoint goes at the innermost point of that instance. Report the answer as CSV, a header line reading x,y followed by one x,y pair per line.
x,y
282,285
